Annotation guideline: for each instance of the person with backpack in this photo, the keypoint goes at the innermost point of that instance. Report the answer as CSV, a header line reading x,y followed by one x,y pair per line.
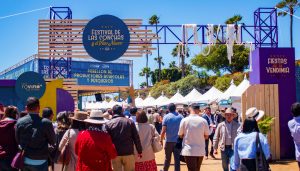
x,y
34,134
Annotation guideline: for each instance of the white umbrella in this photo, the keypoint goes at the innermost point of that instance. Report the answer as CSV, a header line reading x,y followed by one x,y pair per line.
x,y
226,95
161,100
192,97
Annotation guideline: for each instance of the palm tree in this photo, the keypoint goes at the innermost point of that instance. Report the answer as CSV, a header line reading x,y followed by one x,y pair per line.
x,y
147,55
172,64
234,20
154,19
182,57
288,6
160,63
145,72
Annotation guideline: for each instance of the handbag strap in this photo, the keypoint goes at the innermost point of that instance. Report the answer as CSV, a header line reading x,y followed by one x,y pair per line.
x,y
64,157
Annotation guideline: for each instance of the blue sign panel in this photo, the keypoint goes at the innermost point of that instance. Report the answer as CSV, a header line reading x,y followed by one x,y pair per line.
x,y
106,38
30,84
16,72
93,73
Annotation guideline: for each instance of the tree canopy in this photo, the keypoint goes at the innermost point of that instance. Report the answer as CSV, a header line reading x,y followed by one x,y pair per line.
x,y
217,60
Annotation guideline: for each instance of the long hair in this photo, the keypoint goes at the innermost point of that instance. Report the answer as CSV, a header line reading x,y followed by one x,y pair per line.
x,y
250,125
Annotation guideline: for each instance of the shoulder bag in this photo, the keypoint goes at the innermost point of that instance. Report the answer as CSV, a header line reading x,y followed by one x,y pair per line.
x,y
156,146
261,161
65,154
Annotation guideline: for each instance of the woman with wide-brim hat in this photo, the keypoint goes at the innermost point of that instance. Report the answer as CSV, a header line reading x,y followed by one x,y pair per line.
x,y
245,142
94,146
70,136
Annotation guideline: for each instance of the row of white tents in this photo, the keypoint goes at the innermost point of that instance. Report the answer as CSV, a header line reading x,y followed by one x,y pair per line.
x,y
212,95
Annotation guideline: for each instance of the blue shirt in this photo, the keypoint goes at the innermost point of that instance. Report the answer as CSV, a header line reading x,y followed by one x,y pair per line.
x,y
245,147
172,122
294,126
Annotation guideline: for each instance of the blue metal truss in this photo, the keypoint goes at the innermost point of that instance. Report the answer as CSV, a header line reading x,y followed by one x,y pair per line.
x,y
264,33
63,70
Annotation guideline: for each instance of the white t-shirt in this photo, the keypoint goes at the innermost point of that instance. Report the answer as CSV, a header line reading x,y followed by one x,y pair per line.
x,y
193,127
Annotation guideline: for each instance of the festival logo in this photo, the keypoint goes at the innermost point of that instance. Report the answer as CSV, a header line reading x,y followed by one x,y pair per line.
x,y
277,65
106,38
30,84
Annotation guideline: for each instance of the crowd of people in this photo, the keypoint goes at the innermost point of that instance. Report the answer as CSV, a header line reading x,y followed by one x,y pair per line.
x,y
127,139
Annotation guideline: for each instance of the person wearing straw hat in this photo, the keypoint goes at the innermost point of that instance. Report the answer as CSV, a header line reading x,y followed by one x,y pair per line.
x,y
224,137
70,137
94,146
245,142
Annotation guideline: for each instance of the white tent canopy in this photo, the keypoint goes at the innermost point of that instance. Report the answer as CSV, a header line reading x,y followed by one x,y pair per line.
x,y
176,99
149,101
211,95
241,88
192,97
161,100
138,101
226,95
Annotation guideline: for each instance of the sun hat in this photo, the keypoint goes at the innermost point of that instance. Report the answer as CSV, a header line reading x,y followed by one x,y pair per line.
x,y
229,110
96,117
79,116
253,112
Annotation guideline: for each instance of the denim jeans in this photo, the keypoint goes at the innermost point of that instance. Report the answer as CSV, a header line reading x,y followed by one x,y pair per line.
x,y
227,158
211,137
169,149
43,167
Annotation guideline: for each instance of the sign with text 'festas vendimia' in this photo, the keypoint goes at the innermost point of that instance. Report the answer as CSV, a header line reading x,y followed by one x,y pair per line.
x,y
106,38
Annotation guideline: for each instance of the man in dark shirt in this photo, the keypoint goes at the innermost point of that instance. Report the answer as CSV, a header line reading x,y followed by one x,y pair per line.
x,y
124,136
34,134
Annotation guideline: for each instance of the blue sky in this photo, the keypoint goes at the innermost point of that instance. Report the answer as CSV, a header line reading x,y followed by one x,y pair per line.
x,y
18,35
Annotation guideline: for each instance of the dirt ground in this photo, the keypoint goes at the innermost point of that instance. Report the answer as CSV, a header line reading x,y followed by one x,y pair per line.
x,y
215,165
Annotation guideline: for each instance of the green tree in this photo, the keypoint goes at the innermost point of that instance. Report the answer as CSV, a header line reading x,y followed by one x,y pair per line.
x,y
145,72
171,74
217,60
182,57
154,20
143,85
222,83
172,64
289,7
234,20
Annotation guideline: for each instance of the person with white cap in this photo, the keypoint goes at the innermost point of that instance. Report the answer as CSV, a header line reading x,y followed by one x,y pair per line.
x,y
224,137
94,146
294,126
245,142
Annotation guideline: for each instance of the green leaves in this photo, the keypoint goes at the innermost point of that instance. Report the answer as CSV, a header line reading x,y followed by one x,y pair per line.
x,y
154,19
217,60
265,125
234,20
